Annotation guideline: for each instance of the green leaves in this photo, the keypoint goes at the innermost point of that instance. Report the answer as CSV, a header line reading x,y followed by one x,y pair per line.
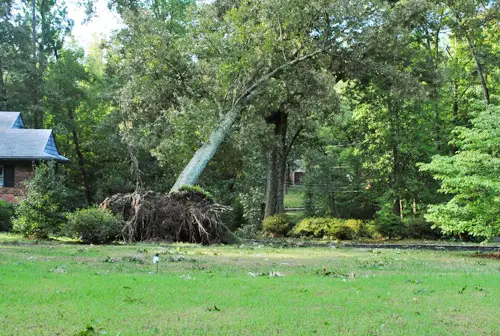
x,y
472,175
41,212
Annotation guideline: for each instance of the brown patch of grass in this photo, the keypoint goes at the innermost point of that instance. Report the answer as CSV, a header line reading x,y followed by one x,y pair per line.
x,y
494,255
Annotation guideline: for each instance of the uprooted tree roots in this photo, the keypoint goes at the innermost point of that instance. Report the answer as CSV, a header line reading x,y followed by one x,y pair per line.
x,y
184,216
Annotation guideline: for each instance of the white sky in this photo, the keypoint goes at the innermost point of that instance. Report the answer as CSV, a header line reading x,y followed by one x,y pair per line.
x,y
101,25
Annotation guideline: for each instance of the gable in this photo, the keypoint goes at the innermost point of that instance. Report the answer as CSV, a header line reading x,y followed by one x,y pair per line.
x,y
19,123
19,143
51,148
11,120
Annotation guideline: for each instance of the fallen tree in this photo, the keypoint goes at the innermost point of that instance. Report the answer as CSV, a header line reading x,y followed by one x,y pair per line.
x,y
192,171
184,216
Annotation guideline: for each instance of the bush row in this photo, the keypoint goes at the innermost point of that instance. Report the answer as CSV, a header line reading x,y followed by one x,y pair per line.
x,y
97,226
334,228
348,229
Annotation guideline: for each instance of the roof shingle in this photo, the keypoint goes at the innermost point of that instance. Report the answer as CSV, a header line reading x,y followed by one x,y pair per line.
x,y
19,143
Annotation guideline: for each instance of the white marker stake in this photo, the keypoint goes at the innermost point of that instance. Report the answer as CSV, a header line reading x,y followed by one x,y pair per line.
x,y
156,260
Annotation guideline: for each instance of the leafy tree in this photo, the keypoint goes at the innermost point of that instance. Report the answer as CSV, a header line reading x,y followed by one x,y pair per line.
x,y
15,58
67,109
253,44
471,175
231,92
41,212
472,21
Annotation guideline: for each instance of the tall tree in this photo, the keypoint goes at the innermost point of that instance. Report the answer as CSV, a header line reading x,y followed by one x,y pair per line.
x,y
470,20
257,44
15,58
471,176
49,25
66,98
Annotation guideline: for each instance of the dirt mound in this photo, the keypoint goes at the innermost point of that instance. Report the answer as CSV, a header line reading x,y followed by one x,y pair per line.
x,y
184,216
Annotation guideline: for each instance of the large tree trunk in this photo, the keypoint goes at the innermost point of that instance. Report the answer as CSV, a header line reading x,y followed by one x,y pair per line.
x,y
34,89
396,157
191,173
396,176
3,90
202,156
276,164
332,203
81,159
33,29
479,67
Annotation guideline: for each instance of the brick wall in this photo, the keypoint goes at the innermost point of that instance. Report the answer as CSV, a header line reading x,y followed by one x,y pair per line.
x,y
22,172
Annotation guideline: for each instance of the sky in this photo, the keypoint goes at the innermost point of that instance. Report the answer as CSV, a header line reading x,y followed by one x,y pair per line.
x,y
101,26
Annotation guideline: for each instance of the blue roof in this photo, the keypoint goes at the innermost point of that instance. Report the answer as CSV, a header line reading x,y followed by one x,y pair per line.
x,y
10,120
18,143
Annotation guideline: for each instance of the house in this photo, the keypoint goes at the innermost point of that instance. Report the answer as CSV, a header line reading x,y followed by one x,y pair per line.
x,y
297,172
296,176
20,150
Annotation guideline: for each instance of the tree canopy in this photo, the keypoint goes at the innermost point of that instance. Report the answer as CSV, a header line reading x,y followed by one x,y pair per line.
x,y
390,107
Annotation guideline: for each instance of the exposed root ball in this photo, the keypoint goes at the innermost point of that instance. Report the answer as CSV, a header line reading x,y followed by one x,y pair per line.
x,y
184,216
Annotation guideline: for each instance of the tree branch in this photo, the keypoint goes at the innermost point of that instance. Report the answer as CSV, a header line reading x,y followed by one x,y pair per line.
x,y
292,142
271,74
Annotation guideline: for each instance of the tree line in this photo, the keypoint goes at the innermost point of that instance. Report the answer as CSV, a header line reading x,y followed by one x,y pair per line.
x,y
390,106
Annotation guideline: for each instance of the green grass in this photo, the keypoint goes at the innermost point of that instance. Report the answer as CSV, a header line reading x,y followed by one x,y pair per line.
x,y
294,197
59,289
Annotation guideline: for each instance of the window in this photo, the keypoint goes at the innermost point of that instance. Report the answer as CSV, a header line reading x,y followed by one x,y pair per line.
x,y
7,175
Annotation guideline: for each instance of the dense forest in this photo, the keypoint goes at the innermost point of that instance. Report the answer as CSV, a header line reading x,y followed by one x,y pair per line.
x,y
390,107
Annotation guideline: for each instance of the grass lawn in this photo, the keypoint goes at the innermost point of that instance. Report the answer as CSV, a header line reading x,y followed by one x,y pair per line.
x,y
294,197
60,289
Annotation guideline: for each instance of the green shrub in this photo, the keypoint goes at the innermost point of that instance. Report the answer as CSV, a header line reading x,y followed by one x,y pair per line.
x,y
248,231
339,230
312,227
369,230
234,219
390,225
41,213
276,226
325,227
6,213
93,226
357,227
419,228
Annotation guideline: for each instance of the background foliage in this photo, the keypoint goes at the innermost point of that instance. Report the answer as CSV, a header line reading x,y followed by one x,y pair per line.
x,y
392,84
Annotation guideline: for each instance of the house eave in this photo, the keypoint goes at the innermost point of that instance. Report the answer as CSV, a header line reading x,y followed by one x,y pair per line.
x,y
61,159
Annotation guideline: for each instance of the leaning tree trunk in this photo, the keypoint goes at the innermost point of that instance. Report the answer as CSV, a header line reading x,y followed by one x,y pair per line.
x,y
191,173
199,161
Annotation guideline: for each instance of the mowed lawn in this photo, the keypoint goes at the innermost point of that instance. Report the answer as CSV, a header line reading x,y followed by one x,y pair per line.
x,y
63,289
